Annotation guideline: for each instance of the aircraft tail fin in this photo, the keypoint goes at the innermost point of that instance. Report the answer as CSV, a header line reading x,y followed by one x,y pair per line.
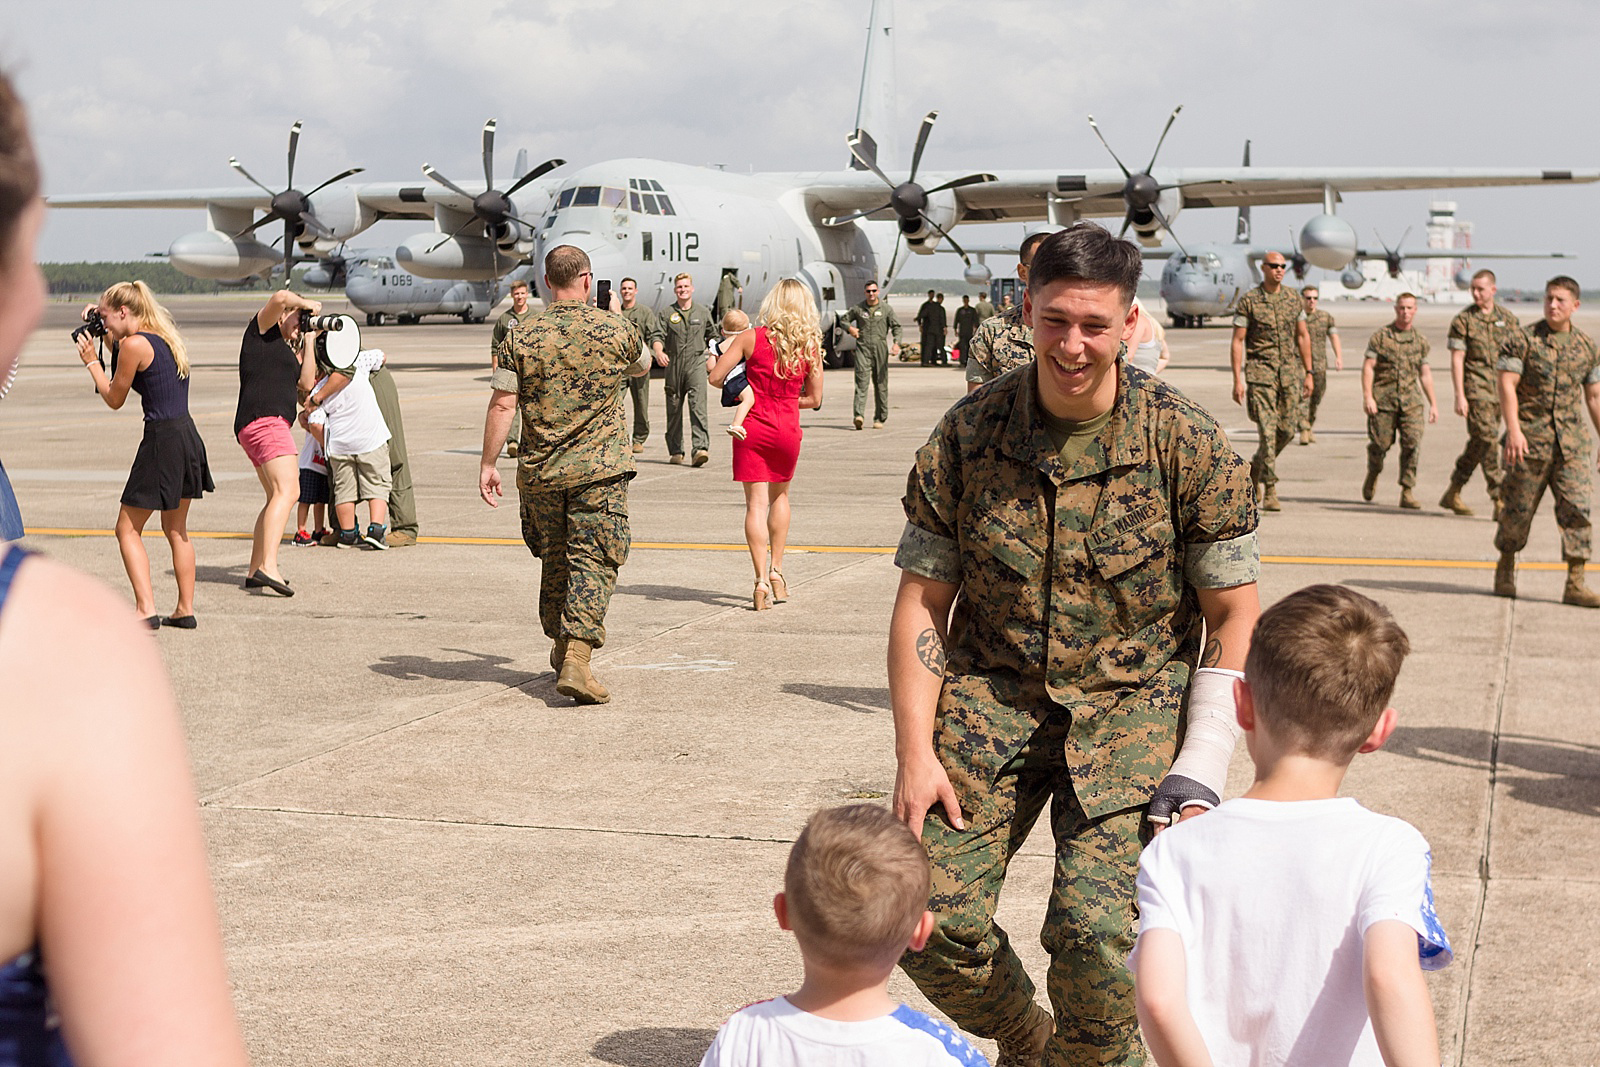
x,y
522,164
875,107
1241,231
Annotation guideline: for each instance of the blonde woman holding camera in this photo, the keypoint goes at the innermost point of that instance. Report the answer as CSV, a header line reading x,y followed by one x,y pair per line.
x,y
170,468
783,365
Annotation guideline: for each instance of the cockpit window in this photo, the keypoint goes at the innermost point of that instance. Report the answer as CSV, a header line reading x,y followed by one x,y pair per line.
x,y
586,196
378,263
666,205
634,202
610,197
656,186
565,198
650,204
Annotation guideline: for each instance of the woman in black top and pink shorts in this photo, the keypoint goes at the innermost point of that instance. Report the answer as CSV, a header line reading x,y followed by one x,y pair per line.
x,y
271,367
170,468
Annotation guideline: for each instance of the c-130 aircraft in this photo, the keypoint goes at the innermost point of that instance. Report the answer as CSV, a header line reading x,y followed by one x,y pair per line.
x,y
833,230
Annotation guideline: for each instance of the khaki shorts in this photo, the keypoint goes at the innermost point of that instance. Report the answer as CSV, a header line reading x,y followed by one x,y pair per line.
x,y
363,477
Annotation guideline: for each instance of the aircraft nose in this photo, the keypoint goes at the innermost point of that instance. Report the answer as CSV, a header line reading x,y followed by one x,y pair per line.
x,y
606,260
361,289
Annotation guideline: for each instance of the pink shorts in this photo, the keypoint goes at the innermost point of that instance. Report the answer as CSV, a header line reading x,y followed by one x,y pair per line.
x,y
267,438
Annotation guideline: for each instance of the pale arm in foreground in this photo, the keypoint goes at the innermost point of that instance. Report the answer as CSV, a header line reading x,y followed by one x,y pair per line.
x,y
1397,997
1160,987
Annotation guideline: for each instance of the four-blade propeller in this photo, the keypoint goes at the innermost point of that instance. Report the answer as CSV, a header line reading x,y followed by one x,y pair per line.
x,y
291,205
491,207
1392,258
908,200
1141,192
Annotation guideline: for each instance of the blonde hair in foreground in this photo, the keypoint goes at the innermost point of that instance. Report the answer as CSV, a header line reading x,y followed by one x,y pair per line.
x,y
789,316
857,884
141,304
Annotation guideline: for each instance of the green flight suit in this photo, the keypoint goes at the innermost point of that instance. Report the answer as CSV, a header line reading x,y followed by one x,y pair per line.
x,y
1074,635
876,323
685,333
650,329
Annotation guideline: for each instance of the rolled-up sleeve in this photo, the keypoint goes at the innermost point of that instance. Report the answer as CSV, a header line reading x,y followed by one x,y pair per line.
x,y
929,545
929,555
503,380
1222,564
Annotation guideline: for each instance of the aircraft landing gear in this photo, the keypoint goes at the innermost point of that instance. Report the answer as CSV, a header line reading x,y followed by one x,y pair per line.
x,y
1187,322
470,319
408,320
374,318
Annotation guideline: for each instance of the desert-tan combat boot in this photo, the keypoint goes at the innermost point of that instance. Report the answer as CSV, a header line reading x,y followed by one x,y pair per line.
x,y
1505,575
1026,1049
575,681
1408,501
1576,592
558,652
1269,499
1451,501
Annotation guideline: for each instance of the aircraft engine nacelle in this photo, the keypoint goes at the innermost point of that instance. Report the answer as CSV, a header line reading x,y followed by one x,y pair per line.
x,y
219,257
1352,278
1145,225
460,258
978,274
340,210
1329,242
922,237
1463,278
319,277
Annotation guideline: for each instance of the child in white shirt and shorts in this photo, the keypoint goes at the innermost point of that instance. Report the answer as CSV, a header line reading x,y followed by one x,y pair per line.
x,y
351,430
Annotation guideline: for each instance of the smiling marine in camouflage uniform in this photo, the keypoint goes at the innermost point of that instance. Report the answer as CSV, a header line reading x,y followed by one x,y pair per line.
x,y
1085,521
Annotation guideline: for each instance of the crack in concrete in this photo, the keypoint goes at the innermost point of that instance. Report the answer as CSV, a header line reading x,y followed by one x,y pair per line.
x,y
1508,635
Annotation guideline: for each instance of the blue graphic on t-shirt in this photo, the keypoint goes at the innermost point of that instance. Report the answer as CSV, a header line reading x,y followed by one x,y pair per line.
x,y
10,514
1433,946
958,1047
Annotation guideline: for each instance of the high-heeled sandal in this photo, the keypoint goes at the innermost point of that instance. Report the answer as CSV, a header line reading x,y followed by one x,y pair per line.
x,y
761,599
780,586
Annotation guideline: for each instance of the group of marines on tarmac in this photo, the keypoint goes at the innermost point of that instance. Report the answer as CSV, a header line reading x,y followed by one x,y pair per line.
x,y
1078,584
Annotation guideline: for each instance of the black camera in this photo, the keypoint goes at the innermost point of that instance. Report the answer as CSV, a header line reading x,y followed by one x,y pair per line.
x,y
93,326
309,322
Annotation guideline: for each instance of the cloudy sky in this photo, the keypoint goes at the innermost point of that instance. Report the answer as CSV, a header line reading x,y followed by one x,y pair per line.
x,y
157,95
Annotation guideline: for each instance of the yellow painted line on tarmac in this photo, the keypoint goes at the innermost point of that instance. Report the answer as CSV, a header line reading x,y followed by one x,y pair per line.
x,y
855,550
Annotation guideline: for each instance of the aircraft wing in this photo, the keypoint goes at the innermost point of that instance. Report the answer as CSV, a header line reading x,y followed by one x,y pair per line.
x,y
1022,194
1460,253
399,200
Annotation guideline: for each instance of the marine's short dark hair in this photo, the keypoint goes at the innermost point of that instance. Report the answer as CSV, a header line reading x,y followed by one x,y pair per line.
x,y
1085,252
563,264
1025,251
1561,281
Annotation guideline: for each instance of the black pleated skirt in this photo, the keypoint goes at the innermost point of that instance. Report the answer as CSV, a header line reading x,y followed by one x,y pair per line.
x,y
170,466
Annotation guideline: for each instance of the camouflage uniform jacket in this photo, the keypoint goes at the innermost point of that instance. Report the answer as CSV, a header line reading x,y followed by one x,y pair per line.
x,y
1555,368
1480,335
1270,336
1003,342
1077,598
1320,325
1398,357
648,323
876,323
567,366
686,333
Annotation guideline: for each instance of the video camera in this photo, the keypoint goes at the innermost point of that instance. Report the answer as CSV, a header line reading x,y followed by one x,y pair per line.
x,y
309,322
93,326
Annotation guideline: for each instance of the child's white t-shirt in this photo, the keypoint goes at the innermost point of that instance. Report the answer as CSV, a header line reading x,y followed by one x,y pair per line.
x,y
354,423
311,457
1272,901
775,1033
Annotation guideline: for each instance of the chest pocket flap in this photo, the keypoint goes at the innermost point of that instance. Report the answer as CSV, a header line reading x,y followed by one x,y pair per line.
x,y
1010,538
1143,535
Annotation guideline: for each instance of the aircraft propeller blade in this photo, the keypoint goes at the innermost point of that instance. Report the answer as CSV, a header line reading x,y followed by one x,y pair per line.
x,y
288,245
337,178
840,220
427,168
294,148
488,154
871,164
922,142
537,172
1163,138
959,183
1096,128
256,225
446,240
943,233
314,224
233,162
1165,225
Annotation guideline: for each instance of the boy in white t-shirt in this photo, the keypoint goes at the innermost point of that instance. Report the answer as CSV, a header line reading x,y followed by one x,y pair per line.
x,y
1290,925
855,894
350,427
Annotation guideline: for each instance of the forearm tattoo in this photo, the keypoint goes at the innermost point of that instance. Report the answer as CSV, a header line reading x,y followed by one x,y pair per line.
x,y
1212,654
930,650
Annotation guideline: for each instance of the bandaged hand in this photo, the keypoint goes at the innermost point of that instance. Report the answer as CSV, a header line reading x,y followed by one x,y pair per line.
x,y
1200,772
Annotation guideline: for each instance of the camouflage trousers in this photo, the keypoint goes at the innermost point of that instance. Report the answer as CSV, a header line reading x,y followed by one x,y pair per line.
x,y
581,537
640,389
1308,408
1568,479
1381,430
872,371
402,498
1275,410
969,969
1483,439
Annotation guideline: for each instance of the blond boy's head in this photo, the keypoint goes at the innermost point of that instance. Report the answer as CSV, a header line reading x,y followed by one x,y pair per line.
x,y
856,887
1322,667
735,321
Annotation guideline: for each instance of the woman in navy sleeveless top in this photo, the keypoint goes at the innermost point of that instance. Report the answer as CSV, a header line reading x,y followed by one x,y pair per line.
x,y
109,945
170,468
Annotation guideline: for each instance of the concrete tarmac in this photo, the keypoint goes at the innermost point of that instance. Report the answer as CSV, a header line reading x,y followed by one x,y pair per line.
x,y
424,855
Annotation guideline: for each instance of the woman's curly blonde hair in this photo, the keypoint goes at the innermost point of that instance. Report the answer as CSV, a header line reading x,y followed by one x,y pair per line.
x,y
789,316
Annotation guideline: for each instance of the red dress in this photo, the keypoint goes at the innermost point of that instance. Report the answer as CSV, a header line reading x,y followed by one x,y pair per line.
x,y
771,446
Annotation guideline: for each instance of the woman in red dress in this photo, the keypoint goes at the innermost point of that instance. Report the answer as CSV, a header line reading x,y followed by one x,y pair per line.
x,y
783,364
